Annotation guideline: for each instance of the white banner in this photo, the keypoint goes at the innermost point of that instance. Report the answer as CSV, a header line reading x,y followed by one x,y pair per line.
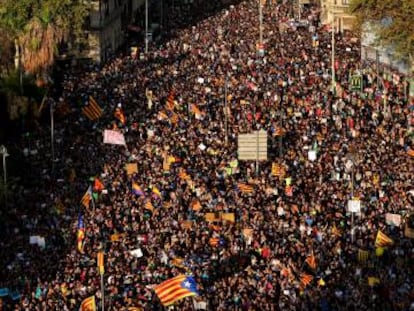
x,y
354,206
114,137
393,219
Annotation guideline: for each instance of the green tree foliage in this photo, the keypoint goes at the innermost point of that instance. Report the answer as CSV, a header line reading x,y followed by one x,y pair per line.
x,y
392,21
39,26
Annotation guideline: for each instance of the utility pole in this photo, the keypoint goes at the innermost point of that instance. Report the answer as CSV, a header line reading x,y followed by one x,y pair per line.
x,y
52,132
260,23
333,55
225,112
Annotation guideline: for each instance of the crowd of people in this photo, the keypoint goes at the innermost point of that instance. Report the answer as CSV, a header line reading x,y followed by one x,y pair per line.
x,y
244,232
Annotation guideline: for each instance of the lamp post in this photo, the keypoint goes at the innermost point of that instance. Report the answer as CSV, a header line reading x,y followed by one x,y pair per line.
x,y
3,152
225,112
333,54
260,23
52,132
350,165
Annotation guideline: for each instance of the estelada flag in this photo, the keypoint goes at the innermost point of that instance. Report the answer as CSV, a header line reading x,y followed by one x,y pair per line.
x,y
92,111
88,304
175,289
383,240
87,197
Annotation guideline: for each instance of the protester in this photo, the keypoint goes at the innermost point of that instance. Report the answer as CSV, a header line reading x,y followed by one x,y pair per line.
x,y
186,169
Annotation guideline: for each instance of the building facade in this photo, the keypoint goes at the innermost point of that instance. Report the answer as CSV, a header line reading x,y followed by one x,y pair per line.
x,y
108,21
335,12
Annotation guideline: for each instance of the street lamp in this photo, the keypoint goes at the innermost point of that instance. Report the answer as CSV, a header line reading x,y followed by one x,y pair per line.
x,y
349,166
3,152
333,54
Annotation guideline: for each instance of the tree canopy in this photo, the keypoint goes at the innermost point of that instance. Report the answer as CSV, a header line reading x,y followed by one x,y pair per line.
x,y
39,26
392,22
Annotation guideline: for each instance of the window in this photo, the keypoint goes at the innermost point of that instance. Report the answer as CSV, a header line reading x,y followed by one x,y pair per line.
x,y
345,2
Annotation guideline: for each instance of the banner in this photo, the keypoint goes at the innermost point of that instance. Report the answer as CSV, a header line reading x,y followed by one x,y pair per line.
x,y
393,219
114,137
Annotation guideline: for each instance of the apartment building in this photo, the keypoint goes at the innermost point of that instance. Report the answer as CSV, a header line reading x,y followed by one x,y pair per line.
x,y
108,21
335,12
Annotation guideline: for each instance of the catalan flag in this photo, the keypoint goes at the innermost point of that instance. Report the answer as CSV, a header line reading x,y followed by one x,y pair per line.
x,y
410,152
156,193
195,205
92,110
311,261
176,289
169,105
174,118
245,188
88,304
119,114
214,242
277,170
87,197
100,262
382,240
306,279
81,233
162,115
136,189
148,206
177,262
372,281
363,255
183,175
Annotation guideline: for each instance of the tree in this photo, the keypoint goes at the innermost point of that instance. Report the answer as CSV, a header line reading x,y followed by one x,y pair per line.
x,y
39,26
392,22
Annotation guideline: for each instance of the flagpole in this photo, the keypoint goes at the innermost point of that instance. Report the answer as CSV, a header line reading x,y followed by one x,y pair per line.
x,y
102,292
52,133
101,268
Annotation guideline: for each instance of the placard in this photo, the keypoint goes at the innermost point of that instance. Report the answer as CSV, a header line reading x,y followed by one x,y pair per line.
x,y
393,219
354,206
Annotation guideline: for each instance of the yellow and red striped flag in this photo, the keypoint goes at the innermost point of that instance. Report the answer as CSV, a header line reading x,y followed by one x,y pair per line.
x,y
92,110
119,114
183,175
170,101
383,240
363,255
311,261
214,242
306,279
87,197
176,289
100,262
88,304
278,170
148,206
245,188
